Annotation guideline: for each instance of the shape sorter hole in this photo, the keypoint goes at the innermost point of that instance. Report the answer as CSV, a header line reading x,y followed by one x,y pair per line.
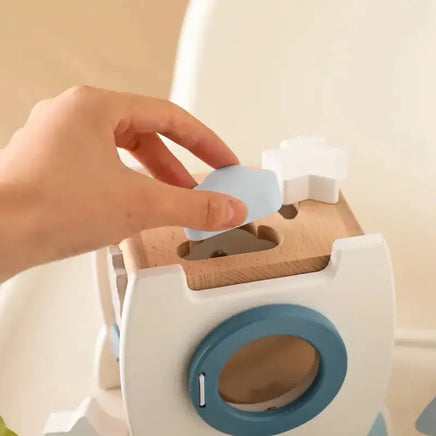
x,y
269,373
246,239
289,211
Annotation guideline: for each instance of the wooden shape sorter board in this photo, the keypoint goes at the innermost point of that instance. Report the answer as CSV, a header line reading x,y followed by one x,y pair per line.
x,y
304,245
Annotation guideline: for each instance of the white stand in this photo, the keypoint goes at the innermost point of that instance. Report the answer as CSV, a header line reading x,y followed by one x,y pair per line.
x,y
88,420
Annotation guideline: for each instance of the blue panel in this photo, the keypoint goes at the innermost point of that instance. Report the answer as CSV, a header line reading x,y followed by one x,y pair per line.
x,y
258,189
379,427
115,340
427,421
238,331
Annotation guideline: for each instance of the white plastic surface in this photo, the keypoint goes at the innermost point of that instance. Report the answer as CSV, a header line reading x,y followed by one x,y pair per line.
x,y
355,292
307,168
88,420
117,279
106,278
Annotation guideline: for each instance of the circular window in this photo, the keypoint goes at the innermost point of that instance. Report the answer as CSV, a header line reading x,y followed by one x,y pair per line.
x,y
268,373
267,370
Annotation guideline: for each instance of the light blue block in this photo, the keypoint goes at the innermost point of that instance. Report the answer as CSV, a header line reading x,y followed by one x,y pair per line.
x,y
257,188
426,423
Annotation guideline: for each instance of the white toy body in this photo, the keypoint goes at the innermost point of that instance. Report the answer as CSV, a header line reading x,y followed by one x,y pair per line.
x,y
106,367
164,322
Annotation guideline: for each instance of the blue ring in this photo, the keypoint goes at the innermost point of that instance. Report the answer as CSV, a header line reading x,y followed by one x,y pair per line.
x,y
238,331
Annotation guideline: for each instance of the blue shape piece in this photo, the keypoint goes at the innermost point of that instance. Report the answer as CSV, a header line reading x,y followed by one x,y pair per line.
x,y
379,427
426,423
259,189
261,322
115,340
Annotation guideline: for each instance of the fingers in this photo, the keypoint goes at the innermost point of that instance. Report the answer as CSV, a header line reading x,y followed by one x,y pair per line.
x,y
166,205
147,115
201,210
160,162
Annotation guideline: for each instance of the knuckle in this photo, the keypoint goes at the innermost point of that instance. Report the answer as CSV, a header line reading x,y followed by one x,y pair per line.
x,y
80,95
83,100
40,106
17,134
176,116
80,91
213,211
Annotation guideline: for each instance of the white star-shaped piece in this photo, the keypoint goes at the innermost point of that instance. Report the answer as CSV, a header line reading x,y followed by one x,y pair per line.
x,y
89,419
307,168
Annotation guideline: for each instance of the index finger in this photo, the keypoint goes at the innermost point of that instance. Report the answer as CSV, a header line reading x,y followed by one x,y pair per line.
x,y
146,115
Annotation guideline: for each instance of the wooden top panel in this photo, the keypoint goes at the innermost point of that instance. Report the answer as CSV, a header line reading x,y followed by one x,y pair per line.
x,y
305,244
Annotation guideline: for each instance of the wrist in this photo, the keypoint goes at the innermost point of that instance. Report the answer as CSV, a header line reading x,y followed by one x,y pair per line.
x,y
19,238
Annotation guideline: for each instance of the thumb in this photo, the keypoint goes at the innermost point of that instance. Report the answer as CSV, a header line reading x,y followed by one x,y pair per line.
x,y
200,210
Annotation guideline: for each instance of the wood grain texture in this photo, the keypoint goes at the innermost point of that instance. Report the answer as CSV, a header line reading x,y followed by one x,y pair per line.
x,y
267,369
305,246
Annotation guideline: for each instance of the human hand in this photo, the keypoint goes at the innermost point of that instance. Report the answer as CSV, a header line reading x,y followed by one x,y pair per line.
x,y
65,191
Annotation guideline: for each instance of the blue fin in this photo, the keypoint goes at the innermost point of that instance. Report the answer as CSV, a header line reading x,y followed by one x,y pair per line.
x,y
426,423
379,427
115,340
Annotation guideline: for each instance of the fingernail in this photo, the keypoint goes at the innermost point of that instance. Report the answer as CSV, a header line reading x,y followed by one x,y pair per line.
x,y
237,213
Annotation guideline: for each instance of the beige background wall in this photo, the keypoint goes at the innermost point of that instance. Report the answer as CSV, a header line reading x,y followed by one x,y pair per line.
x,y
47,46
